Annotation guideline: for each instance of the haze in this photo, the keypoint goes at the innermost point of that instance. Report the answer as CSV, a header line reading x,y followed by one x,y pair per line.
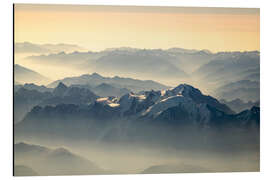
x,y
99,27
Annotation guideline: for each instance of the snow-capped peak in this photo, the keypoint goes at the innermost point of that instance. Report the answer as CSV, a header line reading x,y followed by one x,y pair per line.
x,y
186,90
110,101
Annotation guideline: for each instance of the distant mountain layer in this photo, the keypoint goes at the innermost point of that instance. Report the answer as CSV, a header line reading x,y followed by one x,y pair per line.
x,y
160,65
105,90
244,89
230,67
27,47
227,63
238,105
170,66
117,82
25,75
46,161
141,64
119,59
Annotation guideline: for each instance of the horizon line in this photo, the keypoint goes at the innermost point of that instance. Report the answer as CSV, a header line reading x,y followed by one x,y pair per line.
x,y
130,47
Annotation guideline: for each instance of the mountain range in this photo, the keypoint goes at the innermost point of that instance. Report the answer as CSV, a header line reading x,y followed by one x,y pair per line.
x,y
80,90
205,69
96,79
174,58
131,116
114,115
32,86
230,69
30,95
25,100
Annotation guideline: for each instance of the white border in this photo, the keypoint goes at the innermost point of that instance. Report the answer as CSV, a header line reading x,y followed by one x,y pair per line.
x,y
196,3
6,85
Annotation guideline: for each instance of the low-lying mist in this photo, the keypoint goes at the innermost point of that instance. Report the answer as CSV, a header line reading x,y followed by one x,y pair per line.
x,y
128,158
160,151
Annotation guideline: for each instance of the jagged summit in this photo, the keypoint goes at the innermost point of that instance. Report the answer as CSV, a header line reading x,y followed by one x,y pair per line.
x,y
96,75
61,85
60,89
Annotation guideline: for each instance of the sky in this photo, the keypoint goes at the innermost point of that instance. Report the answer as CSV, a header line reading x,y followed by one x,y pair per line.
x,y
99,27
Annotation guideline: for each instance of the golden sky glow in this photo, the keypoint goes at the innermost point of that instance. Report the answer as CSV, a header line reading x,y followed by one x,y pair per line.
x,y
100,27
